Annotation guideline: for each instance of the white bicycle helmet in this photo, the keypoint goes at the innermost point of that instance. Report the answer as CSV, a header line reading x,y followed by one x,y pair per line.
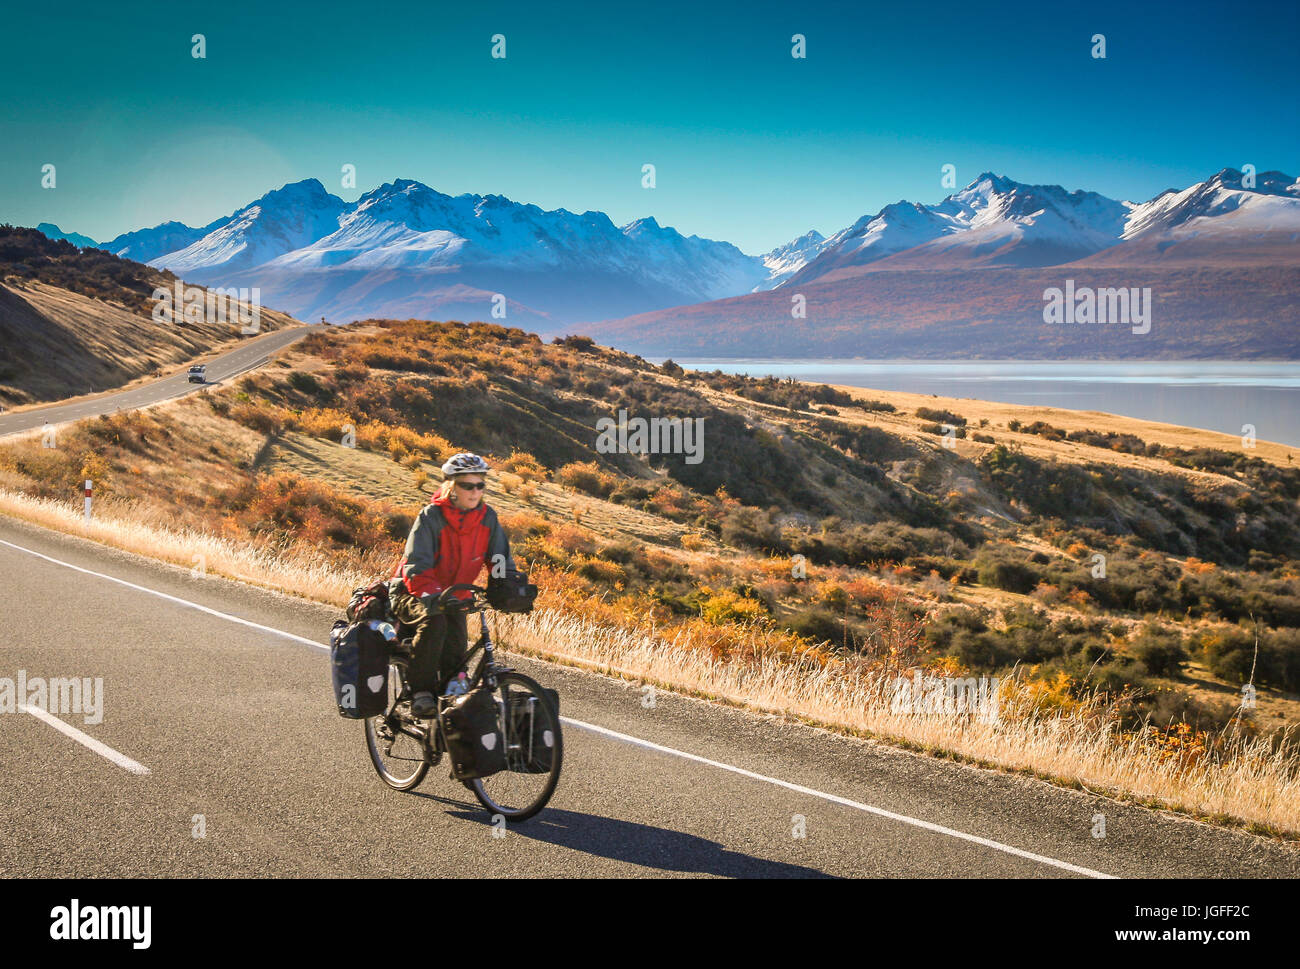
x,y
464,463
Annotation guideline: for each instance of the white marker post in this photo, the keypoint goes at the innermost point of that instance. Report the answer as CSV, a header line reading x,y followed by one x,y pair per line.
x,y
88,487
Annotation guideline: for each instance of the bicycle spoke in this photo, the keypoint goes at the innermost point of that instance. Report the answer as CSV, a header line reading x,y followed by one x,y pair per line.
x,y
398,757
532,753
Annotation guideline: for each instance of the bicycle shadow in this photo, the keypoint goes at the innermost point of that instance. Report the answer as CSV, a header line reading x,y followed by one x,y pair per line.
x,y
645,845
467,804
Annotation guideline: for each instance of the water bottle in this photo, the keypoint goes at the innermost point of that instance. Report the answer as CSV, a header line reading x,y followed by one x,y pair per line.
x,y
458,686
384,629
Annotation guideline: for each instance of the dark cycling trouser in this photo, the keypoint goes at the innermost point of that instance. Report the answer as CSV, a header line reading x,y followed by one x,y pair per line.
x,y
440,643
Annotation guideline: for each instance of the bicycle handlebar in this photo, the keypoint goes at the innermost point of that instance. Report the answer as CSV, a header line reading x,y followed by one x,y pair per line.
x,y
447,599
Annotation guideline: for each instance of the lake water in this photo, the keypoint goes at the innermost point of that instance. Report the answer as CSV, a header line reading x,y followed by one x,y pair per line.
x,y
1215,396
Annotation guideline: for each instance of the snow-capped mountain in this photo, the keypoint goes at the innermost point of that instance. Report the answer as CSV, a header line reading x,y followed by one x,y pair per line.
x,y
895,228
279,222
405,249
1215,221
1223,203
145,245
784,261
998,223
407,225
994,223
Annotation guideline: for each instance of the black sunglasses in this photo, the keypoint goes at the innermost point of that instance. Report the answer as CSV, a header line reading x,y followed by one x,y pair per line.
x,y
471,485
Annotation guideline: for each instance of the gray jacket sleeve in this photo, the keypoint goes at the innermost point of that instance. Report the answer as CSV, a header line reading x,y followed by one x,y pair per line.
x,y
422,542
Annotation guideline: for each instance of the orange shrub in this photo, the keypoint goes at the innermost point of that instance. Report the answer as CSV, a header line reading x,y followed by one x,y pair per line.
x,y
587,476
670,500
524,465
524,523
573,538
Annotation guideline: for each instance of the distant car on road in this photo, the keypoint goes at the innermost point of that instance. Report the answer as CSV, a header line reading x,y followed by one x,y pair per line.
x,y
199,374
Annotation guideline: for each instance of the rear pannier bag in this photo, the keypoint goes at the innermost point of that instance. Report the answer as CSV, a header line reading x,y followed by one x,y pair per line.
x,y
359,666
532,731
473,734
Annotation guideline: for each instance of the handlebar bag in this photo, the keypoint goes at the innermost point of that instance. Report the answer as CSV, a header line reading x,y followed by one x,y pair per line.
x,y
359,668
473,733
511,593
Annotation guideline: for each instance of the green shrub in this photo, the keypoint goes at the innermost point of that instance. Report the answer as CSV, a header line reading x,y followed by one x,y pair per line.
x,y
1161,653
940,416
1006,570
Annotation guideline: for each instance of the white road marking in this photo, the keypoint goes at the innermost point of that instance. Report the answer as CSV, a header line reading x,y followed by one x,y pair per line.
x,y
120,759
927,825
163,595
627,738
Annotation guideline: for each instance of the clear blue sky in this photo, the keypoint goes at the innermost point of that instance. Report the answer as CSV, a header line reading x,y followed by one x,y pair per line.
x,y
750,144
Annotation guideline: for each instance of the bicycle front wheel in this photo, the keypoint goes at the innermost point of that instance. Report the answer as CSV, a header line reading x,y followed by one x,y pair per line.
x,y
530,724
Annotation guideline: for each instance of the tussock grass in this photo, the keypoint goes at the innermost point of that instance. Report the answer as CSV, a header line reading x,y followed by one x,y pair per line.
x,y
128,526
1246,781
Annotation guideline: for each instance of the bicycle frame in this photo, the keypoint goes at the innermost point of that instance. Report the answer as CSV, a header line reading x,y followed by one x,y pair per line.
x,y
530,746
487,671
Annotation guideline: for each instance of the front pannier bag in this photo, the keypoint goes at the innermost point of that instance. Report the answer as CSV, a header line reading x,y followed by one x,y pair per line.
x,y
532,731
359,667
473,735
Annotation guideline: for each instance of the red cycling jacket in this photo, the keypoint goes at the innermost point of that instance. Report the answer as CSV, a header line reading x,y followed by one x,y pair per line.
x,y
448,546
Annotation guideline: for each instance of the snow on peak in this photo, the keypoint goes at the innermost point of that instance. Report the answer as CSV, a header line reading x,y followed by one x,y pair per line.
x,y
281,221
1221,203
648,226
784,261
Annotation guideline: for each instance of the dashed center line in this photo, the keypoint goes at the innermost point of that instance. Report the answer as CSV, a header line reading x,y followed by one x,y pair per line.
x,y
118,758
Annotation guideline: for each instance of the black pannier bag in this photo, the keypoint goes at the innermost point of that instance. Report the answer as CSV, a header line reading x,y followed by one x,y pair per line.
x,y
511,593
369,602
532,731
474,742
359,667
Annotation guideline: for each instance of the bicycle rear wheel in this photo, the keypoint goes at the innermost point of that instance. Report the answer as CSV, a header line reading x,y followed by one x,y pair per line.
x,y
397,756
534,750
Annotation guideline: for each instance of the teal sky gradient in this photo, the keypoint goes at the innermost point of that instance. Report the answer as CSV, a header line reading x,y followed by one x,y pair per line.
x,y
750,145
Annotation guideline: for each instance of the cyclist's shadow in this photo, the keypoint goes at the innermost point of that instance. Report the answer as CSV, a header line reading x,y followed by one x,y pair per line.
x,y
644,844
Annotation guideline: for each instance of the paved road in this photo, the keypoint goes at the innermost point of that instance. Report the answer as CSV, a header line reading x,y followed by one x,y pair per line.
x,y
244,357
236,723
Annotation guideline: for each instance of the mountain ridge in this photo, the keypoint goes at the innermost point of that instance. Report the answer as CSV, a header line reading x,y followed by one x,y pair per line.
x,y
405,248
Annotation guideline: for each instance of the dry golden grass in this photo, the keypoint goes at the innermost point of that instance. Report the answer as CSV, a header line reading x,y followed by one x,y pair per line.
x,y
105,345
145,532
1247,784
377,476
998,414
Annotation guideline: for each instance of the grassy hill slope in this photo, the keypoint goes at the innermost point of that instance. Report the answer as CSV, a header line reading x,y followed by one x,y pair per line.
x,y
80,321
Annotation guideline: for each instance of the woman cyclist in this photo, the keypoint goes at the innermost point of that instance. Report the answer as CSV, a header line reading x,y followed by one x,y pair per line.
x,y
455,535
